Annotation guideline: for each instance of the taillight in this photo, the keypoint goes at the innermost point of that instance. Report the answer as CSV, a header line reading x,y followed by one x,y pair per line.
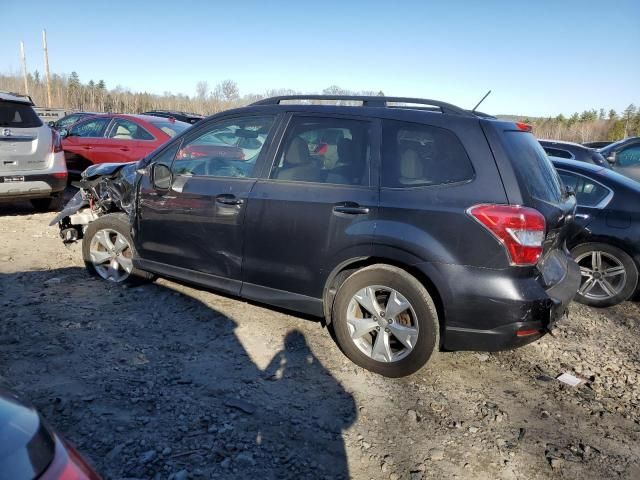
x,y
519,229
525,127
56,142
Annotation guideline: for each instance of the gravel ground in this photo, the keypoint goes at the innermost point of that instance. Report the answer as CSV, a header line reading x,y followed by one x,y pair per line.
x,y
167,381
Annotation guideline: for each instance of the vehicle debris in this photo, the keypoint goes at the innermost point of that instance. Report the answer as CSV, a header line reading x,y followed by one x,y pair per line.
x,y
569,379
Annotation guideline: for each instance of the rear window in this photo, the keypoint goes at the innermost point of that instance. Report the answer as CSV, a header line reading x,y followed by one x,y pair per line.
x,y
416,155
18,115
171,128
533,167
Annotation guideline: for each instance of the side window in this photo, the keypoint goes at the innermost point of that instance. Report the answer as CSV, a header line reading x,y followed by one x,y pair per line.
x,y
629,157
93,127
123,129
420,155
588,192
324,150
226,149
556,152
68,120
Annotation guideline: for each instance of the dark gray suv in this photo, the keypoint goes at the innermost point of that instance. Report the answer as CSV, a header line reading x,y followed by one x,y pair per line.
x,y
408,225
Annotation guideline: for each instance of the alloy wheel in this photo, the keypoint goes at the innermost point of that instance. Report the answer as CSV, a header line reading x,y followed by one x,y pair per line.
x,y
382,323
603,275
111,255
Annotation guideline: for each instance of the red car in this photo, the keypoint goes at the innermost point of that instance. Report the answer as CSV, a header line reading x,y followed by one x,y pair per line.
x,y
116,138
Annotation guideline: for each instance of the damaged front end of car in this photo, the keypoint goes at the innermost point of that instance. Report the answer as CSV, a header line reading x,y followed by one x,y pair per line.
x,y
104,188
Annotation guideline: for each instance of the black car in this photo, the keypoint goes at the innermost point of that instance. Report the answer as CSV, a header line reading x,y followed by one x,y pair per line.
x,y
406,229
624,157
68,120
29,448
597,143
181,116
573,151
607,247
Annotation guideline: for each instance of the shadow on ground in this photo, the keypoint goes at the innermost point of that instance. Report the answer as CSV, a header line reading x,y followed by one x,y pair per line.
x,y
148,382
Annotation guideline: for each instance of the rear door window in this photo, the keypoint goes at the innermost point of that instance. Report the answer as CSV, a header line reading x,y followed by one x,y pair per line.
x,y
18,115
123,129
589,193
556,152
533,167
415,155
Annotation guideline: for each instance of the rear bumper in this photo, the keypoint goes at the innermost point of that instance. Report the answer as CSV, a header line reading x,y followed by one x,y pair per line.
x,y
33,186
485,309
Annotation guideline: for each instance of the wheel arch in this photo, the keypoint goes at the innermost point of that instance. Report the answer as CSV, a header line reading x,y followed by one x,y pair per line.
x,y
343,270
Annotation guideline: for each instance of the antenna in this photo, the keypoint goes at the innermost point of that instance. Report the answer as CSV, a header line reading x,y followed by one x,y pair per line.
x,y
481,100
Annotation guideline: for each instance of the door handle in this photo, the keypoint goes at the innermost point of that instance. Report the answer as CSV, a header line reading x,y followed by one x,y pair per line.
x,y
124,149
350,208
88,147
583,216
229,199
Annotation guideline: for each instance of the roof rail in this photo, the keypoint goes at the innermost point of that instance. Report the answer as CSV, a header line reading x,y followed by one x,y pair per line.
x,y
372,101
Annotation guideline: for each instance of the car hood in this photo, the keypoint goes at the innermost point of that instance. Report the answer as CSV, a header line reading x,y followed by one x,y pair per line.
x,y
101,169
27,446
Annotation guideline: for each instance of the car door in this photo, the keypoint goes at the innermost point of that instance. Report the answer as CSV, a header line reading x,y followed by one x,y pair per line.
x,y
311,211
83,143
193,226
591,196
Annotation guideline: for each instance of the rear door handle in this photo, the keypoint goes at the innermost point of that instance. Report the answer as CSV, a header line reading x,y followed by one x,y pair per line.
x,y
88,147
124,149
229,199
350,208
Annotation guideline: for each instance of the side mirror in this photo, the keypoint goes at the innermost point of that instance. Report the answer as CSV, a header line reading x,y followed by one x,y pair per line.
x,y
161,176
570,191
612,158
63,133
51,123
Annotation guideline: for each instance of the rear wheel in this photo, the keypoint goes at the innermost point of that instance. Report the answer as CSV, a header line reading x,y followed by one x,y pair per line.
x,y
609,275
108,251
385,321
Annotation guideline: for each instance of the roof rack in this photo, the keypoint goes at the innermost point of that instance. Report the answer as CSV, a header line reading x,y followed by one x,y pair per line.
x,y
373,101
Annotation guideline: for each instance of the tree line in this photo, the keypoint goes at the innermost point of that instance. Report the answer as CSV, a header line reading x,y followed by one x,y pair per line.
x,y
69,92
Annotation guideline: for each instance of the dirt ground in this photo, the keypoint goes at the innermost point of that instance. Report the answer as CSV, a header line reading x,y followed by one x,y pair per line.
x,y
168,381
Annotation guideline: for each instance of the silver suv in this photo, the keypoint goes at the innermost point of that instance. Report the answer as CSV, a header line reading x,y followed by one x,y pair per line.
x,y
32,164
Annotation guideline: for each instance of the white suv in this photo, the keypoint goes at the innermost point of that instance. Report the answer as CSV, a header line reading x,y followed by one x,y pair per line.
x,y
32,164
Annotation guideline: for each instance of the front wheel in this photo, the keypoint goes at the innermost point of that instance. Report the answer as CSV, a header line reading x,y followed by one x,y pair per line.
x,y
609,275
385,321
107,249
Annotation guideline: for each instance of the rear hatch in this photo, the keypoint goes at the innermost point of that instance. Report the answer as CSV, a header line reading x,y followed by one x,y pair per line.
x,y
542,189
25,142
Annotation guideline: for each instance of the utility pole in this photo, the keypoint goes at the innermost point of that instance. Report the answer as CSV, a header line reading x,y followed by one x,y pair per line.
x,y
46,67
24,68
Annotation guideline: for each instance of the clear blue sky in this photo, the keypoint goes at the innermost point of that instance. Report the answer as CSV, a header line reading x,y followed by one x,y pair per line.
x,y
538,57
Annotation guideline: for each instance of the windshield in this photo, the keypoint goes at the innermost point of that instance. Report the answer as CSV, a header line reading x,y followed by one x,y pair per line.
x,y
18,115
171,128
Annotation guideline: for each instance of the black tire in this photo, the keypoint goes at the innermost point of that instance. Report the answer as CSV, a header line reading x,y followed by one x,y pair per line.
x,y
47,204
395,278
117,222
630,267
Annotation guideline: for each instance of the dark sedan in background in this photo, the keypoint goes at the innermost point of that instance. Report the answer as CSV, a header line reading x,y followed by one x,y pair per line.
x,y
30,449
624,156
607,248
573,151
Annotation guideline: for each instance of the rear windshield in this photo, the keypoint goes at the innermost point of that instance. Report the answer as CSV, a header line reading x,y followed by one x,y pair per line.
x,y
171,128
18,115
533,167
